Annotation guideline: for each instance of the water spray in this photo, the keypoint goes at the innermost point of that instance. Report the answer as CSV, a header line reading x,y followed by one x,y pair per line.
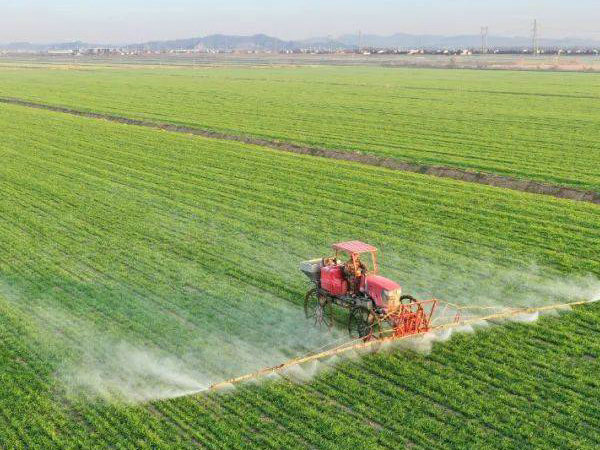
x,y
518,314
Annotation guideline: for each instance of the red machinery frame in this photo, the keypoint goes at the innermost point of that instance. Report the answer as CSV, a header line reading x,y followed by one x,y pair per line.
x,y
412,318
355,248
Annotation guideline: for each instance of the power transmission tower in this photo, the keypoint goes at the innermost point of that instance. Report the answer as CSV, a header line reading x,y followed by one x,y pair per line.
x,y
359,41
535,38
484,40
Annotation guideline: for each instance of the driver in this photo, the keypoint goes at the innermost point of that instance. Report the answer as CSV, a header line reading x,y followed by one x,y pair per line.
x,y
332,261
354,270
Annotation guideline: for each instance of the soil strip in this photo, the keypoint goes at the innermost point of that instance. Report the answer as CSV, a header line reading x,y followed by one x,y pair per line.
x,y
372,160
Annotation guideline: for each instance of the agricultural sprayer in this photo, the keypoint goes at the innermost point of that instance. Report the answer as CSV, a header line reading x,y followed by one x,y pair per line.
x,y
378,310
374,302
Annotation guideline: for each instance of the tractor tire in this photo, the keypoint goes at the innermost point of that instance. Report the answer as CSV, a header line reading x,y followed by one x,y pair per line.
x,y
364,324
318,309
410,299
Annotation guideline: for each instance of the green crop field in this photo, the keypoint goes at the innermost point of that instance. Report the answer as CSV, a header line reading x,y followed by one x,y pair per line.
x,y
540,126
137,265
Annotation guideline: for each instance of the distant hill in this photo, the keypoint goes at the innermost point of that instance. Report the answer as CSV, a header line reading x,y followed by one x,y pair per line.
x,y
222,42
29,47
262,42
401,40
219,42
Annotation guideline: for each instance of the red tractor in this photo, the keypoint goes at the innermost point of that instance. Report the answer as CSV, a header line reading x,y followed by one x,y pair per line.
x,y
373,301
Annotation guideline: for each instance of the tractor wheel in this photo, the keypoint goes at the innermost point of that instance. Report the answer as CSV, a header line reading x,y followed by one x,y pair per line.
x,y
364,324
405,299
318,308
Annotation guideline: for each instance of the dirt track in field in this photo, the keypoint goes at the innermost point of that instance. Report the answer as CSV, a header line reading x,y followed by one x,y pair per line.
x,y
372,160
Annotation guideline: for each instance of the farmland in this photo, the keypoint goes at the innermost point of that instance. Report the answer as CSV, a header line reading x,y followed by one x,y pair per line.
x,y
188,247
538,126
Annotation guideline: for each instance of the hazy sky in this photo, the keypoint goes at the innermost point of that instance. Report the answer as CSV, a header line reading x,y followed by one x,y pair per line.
x,y
115,21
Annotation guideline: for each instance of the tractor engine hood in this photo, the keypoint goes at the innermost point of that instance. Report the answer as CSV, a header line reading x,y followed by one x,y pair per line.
x,y
383,290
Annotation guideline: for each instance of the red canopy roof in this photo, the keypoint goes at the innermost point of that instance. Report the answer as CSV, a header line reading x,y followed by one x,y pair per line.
x,y
354,247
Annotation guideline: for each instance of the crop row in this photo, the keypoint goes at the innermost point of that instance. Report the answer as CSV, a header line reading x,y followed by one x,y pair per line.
x,y
529,125
186,246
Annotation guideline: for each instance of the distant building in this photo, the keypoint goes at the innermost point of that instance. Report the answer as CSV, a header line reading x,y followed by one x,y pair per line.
x,y
62,52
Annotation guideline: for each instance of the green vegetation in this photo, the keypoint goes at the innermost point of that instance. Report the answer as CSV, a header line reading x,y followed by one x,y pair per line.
x,y
540,126
181,244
